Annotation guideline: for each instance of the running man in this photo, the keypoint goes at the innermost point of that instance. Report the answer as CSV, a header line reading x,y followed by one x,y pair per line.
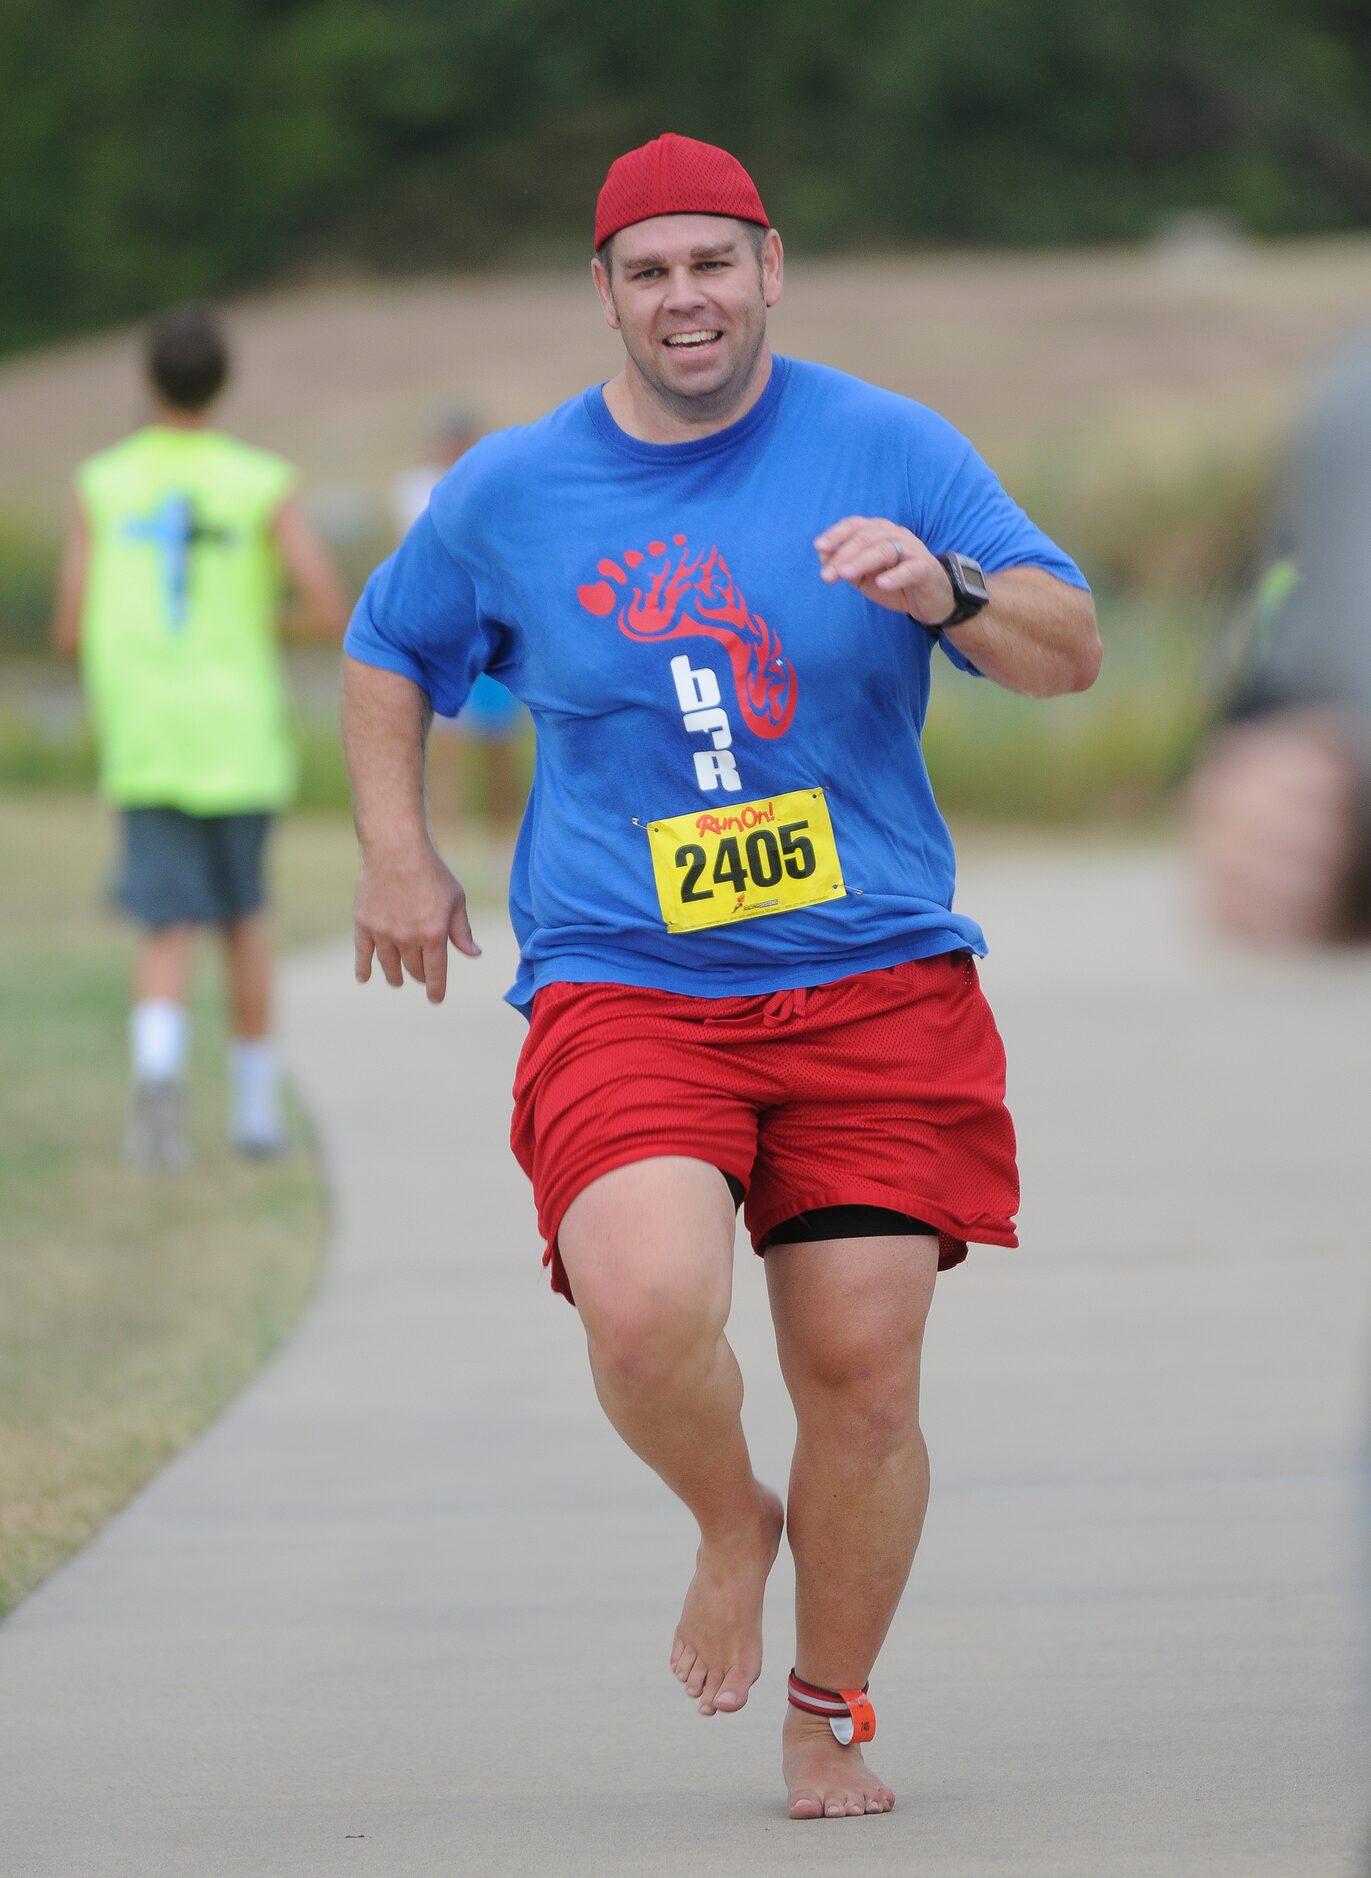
x,y
717,582
169,592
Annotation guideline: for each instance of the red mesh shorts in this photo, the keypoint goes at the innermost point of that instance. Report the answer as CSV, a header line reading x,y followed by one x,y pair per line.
x,y
885,1089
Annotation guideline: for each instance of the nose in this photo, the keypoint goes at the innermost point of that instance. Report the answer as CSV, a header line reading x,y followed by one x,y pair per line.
x,y
684,289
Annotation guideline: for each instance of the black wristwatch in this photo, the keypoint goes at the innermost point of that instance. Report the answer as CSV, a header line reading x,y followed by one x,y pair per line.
x,y
969,592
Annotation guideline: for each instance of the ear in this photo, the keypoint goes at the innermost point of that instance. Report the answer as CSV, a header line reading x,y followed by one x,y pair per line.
x,y
606,293
773,266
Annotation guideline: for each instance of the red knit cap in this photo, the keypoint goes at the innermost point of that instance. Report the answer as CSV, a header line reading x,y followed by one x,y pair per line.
x,y
675,176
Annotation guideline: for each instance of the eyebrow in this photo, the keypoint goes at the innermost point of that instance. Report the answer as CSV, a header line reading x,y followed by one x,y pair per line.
x,y
715,251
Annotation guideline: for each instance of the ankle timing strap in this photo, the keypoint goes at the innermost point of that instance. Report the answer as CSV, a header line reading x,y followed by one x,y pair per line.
x,y
848,1712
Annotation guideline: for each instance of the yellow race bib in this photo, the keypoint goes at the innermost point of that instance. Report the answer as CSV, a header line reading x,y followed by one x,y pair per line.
x,y
745,860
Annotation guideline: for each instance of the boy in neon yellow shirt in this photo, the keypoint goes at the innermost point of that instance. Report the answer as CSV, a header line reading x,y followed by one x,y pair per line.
x,y
169,592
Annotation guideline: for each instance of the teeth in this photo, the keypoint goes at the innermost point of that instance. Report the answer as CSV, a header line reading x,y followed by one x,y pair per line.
x,y
691,339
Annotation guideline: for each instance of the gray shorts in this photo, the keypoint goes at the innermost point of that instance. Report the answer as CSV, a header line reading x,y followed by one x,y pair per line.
x,y
180,869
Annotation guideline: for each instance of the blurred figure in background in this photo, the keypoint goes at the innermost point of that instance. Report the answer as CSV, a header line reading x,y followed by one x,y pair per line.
x,y
169,592
1280,806
492,719
1281,802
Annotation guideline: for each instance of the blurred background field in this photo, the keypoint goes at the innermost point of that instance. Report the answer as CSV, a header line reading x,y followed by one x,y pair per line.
x,y
1133,401
1099,238
1103,240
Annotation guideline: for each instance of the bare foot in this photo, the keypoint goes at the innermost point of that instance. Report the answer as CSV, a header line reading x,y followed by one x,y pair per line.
x,y
826,1780
717,1649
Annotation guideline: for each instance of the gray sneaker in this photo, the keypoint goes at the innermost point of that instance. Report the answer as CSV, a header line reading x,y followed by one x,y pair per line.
x,y
156,1138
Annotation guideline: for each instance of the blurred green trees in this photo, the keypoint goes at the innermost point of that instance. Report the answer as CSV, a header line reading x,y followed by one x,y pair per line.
x,y
151,150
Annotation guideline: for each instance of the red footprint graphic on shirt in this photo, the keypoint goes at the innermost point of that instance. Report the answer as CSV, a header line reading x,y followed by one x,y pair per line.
x,y
694,598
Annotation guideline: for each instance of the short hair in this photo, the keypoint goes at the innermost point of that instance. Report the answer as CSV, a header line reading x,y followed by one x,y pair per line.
x,y
604,254
187,356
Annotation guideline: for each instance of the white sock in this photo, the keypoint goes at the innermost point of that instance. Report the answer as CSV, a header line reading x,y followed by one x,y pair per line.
x,y
252,1070
157,1036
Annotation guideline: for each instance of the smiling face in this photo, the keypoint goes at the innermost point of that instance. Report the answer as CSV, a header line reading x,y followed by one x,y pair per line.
x,y
688,295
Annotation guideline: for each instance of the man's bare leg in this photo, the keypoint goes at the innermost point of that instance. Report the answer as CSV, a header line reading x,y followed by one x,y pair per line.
x,y
849,1316
161,966
156,1139
255,1120
649,1252
247,941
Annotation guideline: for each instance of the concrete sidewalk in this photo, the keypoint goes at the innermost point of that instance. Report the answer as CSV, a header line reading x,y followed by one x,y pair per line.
x,y
406,1608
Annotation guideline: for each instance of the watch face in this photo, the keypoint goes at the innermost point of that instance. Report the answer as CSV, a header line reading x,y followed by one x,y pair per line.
x,y
972,579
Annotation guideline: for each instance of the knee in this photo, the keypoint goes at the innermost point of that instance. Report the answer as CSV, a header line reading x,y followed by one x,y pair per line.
x,y
877,1420
644,1338
866,1407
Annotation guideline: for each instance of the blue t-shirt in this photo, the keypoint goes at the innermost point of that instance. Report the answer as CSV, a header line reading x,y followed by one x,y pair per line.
x,y
658,608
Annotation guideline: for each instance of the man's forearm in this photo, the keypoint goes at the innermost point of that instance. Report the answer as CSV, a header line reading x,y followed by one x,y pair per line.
x,y
385,719
1037,636
409,907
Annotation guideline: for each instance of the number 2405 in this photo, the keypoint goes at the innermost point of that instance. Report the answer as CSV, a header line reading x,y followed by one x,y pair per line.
x,y
760,860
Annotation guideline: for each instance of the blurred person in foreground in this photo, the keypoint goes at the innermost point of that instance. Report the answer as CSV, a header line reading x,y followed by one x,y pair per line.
x,y
1280,804
718,581
169,594
492,718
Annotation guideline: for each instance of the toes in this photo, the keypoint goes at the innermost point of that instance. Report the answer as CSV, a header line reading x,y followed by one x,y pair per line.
x,y
845,1805
695,1680
677,1645
684,1663
875,1803
805,1804
719,1693
732,1692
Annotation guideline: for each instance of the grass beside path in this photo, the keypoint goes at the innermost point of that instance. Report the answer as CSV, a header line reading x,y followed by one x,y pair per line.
x,y
131,1309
